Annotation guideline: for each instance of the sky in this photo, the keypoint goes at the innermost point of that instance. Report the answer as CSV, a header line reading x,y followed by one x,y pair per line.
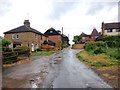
x,y
75,16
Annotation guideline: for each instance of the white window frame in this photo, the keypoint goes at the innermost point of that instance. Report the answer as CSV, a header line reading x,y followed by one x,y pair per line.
x,y
17,37
13,36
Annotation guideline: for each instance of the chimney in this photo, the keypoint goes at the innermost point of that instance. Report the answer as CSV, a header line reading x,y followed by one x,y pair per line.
x,y
103,28
27,23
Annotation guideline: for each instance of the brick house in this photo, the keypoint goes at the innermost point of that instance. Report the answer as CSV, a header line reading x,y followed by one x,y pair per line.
x,y
25,36
54,36
111,28
57,37
91,37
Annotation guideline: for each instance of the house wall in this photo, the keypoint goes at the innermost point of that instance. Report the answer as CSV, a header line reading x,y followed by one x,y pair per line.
x,y
57,40
26,39
111,33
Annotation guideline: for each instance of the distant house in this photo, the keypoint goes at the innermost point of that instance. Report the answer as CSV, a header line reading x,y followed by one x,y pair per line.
x,y
111,28
65,40
25,36
91,37
56,37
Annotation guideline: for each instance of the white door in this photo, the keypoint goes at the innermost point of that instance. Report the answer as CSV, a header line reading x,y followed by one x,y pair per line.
x,y
32,47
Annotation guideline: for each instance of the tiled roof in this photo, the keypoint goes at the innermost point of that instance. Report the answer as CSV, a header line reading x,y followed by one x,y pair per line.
x,y
84,35
94,32
23,28
51,32
112,25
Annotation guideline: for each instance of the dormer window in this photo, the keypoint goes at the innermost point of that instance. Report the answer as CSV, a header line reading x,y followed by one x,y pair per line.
x,y
51,31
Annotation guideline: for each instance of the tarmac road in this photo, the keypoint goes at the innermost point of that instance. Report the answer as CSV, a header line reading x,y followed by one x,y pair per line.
x,y
60,70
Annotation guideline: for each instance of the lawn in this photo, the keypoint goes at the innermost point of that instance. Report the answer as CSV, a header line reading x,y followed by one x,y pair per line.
x,y
98,60
103,64
42,53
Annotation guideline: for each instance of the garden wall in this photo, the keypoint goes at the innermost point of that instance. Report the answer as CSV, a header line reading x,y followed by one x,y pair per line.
x,y
78,46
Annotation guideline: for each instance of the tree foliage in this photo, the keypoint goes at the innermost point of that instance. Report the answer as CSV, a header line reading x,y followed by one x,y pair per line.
x,y
77,39
5,42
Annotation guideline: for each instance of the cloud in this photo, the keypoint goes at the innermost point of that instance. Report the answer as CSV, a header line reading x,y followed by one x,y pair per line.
x,y
4,7
95,7
60,7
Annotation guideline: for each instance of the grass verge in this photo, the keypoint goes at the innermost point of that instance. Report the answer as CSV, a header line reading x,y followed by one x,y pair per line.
x,y
42,53
105,66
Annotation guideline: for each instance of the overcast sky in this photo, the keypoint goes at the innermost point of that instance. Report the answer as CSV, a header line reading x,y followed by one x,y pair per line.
x,y
75,16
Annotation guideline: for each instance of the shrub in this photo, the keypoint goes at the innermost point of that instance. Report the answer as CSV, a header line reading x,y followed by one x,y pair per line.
x,y
98,50
9,57
5,42
22,48
6,49
22,51
100,44
89,46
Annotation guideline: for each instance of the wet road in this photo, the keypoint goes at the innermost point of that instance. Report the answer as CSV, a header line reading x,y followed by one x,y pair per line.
x,y
60,70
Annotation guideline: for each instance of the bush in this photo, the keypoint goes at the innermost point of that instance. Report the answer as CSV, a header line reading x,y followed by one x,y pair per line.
x,y
5,42
9,57
89,46
98,50
6,49
100,44
22,51
22,48
112,41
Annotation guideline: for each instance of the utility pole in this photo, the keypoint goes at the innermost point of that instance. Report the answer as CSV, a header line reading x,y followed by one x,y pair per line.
x,y
62,39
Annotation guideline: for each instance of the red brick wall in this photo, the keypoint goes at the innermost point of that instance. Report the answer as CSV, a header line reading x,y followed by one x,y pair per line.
x,y
57,40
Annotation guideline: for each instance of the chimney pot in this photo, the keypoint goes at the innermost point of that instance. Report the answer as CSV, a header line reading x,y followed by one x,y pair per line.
x,y
27,23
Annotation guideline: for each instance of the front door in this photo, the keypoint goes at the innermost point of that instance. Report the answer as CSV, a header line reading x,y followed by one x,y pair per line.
x,y
32,47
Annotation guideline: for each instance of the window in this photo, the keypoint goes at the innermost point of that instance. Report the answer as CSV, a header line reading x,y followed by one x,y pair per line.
x,y
36,36
51,31
109,30
117,30
13,36
41,37
17,36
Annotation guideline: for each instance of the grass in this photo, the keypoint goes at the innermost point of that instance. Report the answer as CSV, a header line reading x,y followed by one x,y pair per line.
x,y
113,52
99,60
104,65
42,53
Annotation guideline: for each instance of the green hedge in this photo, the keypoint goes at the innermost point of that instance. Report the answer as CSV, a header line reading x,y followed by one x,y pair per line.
x,y
10,56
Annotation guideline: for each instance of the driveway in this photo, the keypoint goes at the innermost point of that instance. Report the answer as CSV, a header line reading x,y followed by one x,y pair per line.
x,y
60,70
